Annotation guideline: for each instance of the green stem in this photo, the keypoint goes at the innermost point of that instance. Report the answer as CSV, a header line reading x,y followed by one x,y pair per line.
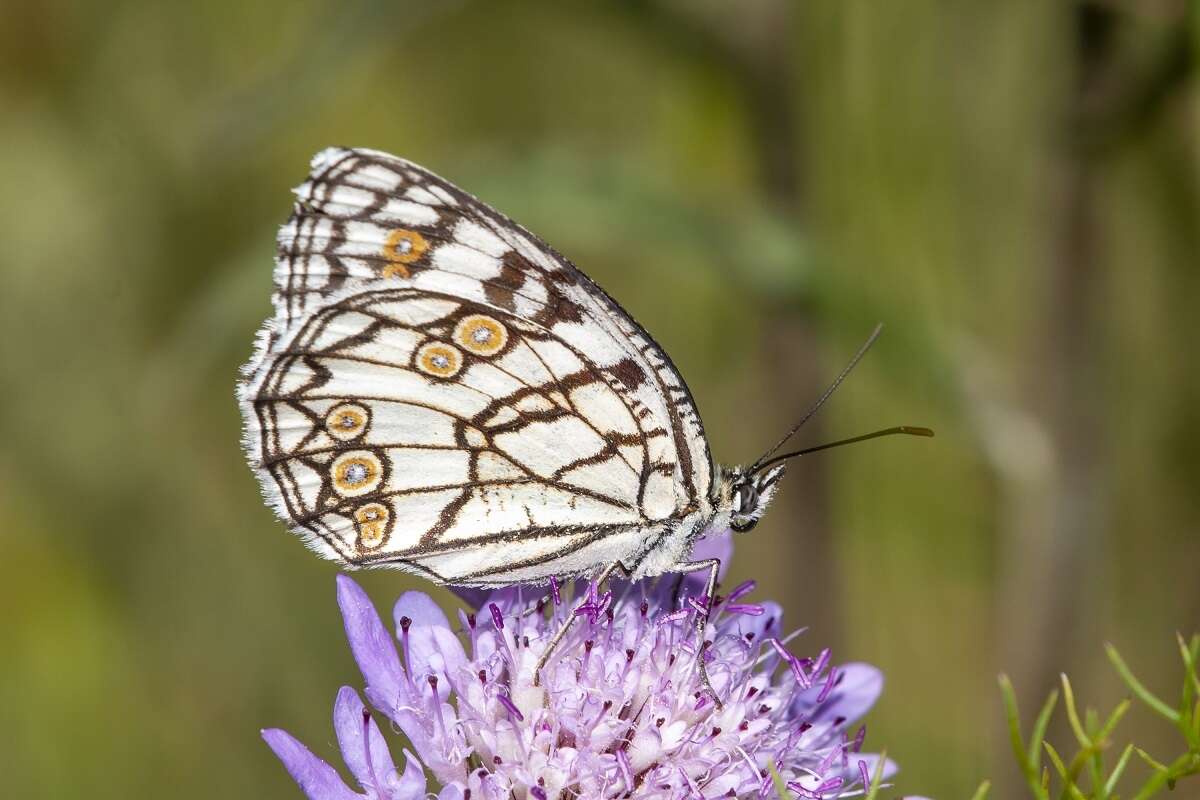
x,y
1135,686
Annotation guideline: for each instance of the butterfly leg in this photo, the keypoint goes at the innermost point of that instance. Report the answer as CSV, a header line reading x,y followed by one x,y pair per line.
x,y
566,626
713,565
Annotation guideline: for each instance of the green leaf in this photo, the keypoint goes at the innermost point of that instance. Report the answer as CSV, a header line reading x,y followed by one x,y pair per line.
x,y
1118,770
982,792
1111,723
877,778
1073,715
1039,730
1189,707
1154,765
1028,769
1069,786
777,779
1186,764
1135,686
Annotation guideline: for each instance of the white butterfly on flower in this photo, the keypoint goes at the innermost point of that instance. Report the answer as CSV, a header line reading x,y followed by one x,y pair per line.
x,y
441,392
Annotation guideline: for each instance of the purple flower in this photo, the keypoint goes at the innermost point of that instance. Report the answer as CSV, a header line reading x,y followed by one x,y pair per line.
x,y
372,766
620,710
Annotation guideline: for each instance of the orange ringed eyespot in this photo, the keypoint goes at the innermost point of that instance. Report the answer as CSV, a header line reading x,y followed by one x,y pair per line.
x,y
481,335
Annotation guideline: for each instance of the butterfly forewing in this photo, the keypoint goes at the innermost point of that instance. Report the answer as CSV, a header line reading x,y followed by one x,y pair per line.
x,y
439,389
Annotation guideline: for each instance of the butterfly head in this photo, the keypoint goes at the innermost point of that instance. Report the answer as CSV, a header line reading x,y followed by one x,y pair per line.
x,y
749,493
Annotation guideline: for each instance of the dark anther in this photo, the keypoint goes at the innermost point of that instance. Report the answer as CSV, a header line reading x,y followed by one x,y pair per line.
x,y
628,656
471,620
482,676
405,624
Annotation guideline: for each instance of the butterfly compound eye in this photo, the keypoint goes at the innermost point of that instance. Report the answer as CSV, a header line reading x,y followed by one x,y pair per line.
x,y
746,499
745,502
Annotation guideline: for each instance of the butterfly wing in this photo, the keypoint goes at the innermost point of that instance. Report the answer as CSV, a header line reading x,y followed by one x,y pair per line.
x,y
440,390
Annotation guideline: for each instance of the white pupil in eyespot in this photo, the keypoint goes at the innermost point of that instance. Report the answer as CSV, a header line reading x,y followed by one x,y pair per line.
x,y
349,421
481,334
440,361
355,473
404,246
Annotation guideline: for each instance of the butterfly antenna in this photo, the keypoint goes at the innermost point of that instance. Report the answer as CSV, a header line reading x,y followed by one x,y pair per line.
x,y
910,430
862,351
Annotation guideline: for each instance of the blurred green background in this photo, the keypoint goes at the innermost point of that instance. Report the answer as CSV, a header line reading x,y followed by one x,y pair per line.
x,y
1011,187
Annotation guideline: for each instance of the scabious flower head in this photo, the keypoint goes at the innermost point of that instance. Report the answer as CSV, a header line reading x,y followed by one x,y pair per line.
x,y
620,710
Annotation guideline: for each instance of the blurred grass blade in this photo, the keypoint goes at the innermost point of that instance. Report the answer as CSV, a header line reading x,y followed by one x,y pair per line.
x,y
982,792
877,778
1069,786
1135,686
1014,734
1191,683
1110,724
1149,759
1118,770
1039,730
1073,714
777,779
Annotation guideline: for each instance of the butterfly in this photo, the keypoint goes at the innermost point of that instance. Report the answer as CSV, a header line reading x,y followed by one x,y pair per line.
x,y
441,392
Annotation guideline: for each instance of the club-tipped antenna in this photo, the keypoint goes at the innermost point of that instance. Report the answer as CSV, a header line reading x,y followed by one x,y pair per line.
x,y
910,430
862,351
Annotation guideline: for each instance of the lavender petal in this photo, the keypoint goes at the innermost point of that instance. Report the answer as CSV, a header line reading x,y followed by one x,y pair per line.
x,y
317,780
410,785
371,643
859,688
348,724
433,648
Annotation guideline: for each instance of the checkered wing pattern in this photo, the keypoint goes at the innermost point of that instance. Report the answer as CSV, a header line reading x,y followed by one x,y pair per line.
x,y
441,391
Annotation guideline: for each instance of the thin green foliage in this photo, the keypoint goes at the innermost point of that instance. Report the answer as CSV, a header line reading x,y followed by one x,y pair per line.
x,y
877,778
781,790
1084,775
982,792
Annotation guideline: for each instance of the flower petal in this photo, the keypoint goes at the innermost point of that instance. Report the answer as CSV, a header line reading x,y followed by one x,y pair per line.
x,y
317,780
420,608
348,723
433,648
451,791
371,644
858,689
715,545
475,598
410,785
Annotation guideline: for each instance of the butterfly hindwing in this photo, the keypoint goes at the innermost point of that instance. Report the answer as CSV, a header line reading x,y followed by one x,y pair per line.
x,y
440,389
